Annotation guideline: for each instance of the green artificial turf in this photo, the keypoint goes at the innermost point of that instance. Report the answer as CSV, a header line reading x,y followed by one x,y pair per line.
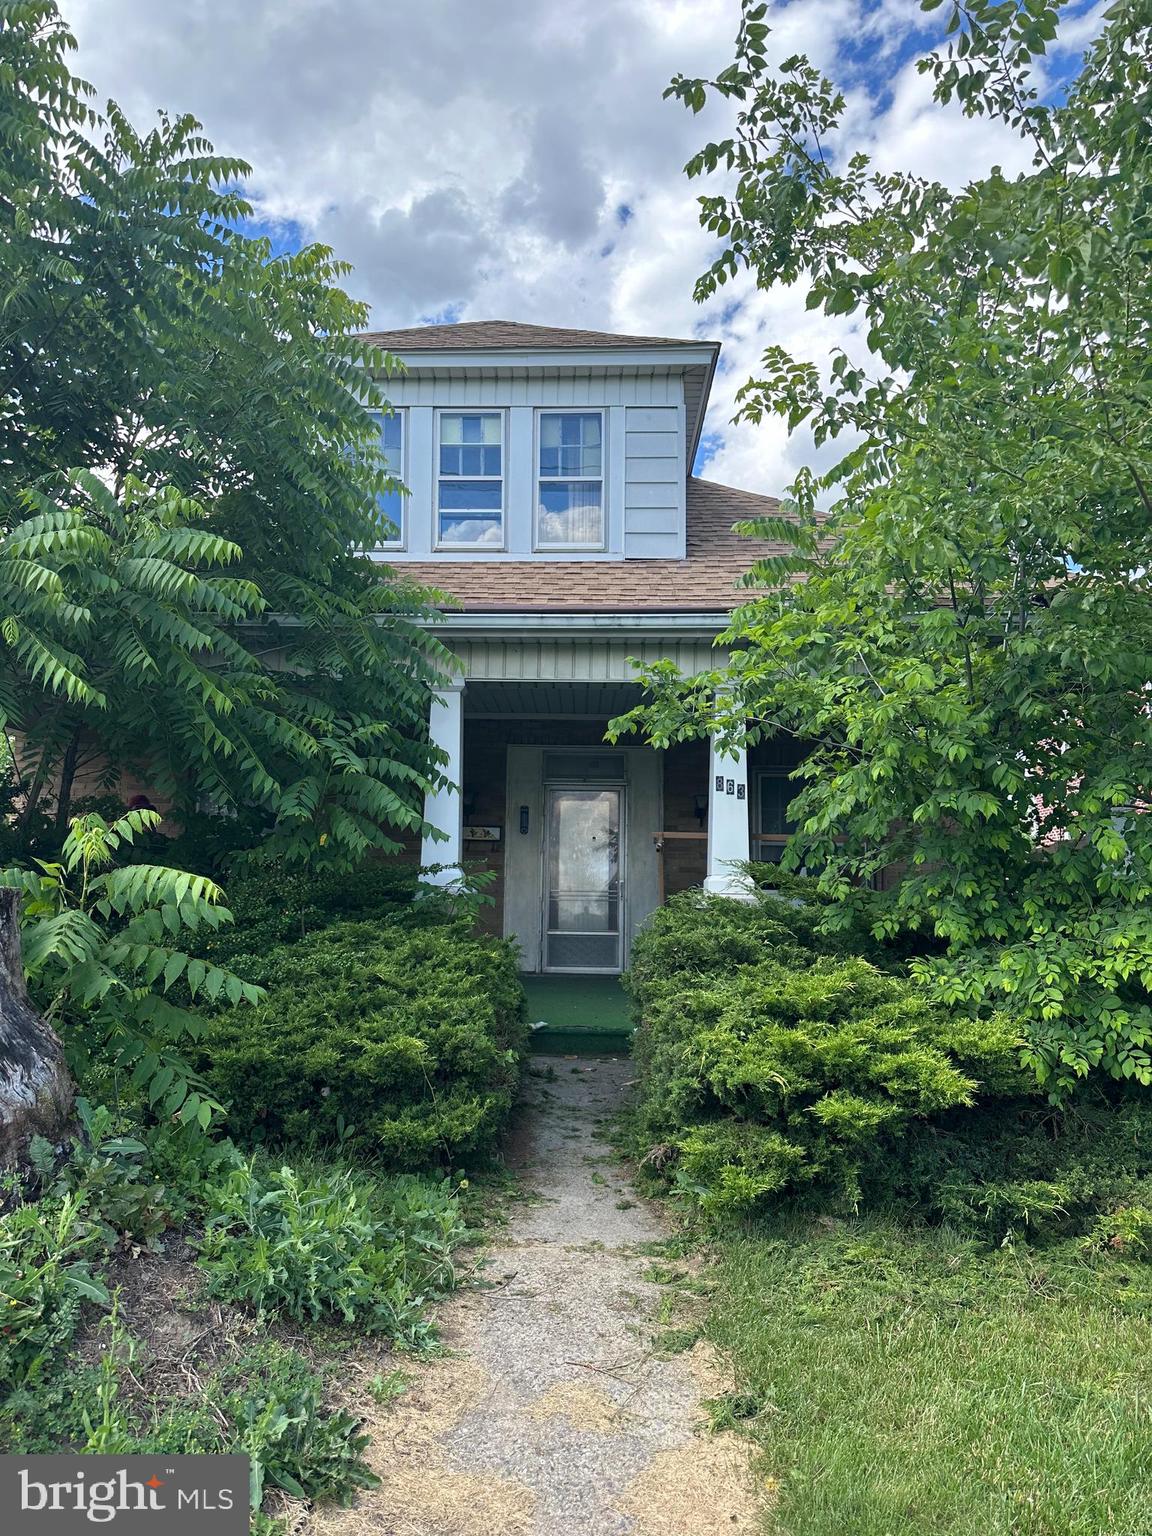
x,y
583,1015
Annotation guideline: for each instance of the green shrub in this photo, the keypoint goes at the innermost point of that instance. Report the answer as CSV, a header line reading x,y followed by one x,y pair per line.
x,y
846,929
333,1246
733,1165
776,1067
771,1070
1018,1168
696,936
273,905
403,1036
1127,1231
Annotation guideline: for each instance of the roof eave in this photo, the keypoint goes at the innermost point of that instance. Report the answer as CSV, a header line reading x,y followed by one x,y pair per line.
x,y
688,353
697,427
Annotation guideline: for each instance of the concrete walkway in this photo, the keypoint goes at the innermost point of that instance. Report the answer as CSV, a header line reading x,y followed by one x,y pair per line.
x,y
553,1414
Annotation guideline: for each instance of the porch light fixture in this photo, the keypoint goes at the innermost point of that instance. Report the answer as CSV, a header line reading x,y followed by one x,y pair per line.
x,y
700,808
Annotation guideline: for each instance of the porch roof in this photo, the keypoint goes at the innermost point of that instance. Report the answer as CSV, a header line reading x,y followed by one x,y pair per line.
x,y
705,581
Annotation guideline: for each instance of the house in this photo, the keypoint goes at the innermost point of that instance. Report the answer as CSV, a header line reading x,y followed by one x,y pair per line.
x,y
551,499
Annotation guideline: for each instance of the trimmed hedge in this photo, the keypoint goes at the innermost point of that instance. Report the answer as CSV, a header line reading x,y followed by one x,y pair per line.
x,y
775,1066
403,1036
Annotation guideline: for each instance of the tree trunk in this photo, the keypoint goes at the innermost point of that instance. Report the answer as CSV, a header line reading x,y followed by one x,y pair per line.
x,y
67,780
36,1090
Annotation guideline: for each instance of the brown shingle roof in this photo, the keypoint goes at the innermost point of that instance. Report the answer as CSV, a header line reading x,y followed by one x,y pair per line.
x,y
703,582
497,334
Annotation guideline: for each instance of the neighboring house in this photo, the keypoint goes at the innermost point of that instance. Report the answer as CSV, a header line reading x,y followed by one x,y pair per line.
x,y
550,496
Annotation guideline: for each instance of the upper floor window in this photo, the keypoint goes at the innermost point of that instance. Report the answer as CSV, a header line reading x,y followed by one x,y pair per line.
x,y
470,478
390,504
570,480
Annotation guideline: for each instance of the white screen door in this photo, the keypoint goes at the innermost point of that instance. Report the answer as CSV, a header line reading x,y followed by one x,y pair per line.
x,y
583,897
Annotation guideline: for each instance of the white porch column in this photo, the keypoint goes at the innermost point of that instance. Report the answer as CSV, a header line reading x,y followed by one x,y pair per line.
x,y
443,808
728,845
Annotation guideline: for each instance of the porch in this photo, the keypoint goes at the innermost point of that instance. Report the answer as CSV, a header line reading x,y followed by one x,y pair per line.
x,y
583,839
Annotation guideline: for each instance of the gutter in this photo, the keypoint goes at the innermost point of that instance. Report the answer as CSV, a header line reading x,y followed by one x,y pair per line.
x,y
518,622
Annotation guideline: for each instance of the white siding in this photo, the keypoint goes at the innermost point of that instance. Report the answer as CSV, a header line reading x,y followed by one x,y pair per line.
x,y
577,660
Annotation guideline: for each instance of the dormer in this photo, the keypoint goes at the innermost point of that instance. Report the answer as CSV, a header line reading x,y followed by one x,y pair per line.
x,y
532,442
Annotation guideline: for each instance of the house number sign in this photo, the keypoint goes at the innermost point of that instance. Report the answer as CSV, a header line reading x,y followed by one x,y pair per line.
x,y
729,787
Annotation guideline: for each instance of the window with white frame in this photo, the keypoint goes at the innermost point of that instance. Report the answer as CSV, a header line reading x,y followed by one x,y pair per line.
x,y
470,479
570,480
390,504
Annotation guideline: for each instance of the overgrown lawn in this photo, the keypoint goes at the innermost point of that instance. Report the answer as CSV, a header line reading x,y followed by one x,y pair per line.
x,y
912,1381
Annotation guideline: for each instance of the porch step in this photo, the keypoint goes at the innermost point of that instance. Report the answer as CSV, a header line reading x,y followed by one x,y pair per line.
x,y
578,1015
580,1042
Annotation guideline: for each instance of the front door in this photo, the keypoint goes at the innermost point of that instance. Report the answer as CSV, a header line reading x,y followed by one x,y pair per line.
x,y
583,878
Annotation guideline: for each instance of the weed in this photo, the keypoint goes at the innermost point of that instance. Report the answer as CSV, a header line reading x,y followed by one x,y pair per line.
x,y
664,1274
47,1251
331,1245
387,1388
732,1410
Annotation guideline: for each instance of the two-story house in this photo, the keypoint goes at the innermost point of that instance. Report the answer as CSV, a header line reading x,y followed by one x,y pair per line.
x,y
551,498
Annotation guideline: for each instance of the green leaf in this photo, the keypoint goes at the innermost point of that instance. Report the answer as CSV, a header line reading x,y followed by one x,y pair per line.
x,y
85,1283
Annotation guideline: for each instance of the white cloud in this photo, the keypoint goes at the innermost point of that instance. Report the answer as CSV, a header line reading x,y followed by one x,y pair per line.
x,y
516,159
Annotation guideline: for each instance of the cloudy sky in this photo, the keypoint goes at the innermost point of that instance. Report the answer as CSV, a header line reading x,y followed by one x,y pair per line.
x,y
514,159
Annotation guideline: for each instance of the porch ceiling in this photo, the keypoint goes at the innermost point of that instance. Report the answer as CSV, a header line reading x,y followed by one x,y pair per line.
x,y
599,701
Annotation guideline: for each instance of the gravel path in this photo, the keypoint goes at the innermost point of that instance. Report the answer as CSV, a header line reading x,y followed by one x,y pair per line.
x,y
553,1415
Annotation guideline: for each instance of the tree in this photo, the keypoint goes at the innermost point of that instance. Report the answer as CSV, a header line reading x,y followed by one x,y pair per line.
x,y
963,634
99,948
188,468
35,1086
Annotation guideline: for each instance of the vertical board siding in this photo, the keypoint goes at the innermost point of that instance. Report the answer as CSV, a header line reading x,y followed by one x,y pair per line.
x,y
578,660
574,387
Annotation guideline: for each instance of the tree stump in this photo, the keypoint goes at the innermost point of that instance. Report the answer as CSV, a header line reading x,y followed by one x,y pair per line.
x,y
36,1089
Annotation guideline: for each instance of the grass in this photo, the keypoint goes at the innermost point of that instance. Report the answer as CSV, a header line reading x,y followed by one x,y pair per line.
x,y
912,1382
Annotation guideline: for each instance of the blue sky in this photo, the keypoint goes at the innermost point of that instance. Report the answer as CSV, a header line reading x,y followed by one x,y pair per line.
x,y
517,160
